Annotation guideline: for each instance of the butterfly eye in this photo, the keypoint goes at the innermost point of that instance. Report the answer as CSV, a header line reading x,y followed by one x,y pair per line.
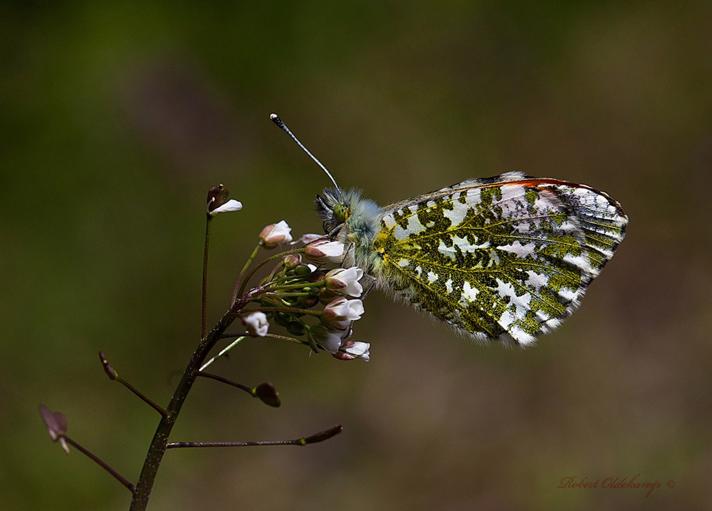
x,y
341,212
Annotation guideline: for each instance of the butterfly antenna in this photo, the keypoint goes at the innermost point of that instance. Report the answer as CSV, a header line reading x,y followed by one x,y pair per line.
x,y
281,125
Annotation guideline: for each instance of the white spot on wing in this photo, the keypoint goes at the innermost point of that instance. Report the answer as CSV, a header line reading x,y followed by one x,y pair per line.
x,y
474,196
457,214
581,262
445,250
536,280
465,245
414,227
448,285
469,293
521,251
567,294
389,221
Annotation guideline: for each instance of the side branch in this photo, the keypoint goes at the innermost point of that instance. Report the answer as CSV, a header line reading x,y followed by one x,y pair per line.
x,y
96,459
113,375
264,391
311,439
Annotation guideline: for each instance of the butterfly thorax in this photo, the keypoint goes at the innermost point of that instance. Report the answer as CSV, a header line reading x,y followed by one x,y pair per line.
x,y
354,220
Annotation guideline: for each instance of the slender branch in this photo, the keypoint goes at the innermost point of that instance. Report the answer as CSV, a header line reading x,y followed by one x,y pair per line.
x,y
243,286
295,310
267,336
226,381
238,280
319,283
311,439
284,338
222,352
265,392
287,295
96,459
114,376
204,294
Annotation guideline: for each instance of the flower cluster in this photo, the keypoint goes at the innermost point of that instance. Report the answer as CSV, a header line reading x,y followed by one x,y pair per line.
x,y
314,301
307,293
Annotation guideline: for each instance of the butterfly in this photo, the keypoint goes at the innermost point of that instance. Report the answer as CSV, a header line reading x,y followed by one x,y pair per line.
x,y
503,258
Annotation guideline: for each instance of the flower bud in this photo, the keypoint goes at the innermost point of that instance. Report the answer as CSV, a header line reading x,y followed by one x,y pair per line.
x,y
256,323
325,250
56,424
268,394
277,234
218,201
330,339
350,350
340,312
345,281
292,261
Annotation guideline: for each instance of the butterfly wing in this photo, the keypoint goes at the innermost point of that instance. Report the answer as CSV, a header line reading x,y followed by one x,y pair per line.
x,y
506,257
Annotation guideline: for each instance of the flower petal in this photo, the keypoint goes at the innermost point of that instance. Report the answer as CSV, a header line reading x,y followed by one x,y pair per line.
x,y
231,205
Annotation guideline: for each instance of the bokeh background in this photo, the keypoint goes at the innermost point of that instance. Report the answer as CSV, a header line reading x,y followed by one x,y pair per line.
x,y
116,118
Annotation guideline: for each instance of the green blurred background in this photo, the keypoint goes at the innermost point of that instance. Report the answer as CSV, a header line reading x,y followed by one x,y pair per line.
x,y
116,118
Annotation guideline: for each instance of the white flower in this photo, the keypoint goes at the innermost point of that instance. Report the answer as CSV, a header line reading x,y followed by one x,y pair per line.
x,y
310,238
331,339
277,234
340,312
350,350
345,281
231,205
325,250
256,323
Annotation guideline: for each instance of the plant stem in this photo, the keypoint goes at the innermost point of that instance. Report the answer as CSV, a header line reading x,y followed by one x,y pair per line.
x,y
262,263
159,444
226,381
222,352
319,283
113,375
96,459
248,263
150,402
204,295
295,310
305,440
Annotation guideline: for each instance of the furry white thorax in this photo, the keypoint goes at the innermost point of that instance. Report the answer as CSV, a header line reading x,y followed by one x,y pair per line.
x,y
357,230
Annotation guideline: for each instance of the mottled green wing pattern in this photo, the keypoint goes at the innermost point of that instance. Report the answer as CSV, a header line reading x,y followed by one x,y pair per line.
x,y
506,257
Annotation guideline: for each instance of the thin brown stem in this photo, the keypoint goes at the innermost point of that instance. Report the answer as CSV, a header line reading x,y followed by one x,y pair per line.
x,y
247,279
302,441
204,294
226,381
295,310
248,263
114,376
96,459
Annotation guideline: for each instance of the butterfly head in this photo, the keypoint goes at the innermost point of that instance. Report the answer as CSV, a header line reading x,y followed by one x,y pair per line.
x,y
333,210
347,209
